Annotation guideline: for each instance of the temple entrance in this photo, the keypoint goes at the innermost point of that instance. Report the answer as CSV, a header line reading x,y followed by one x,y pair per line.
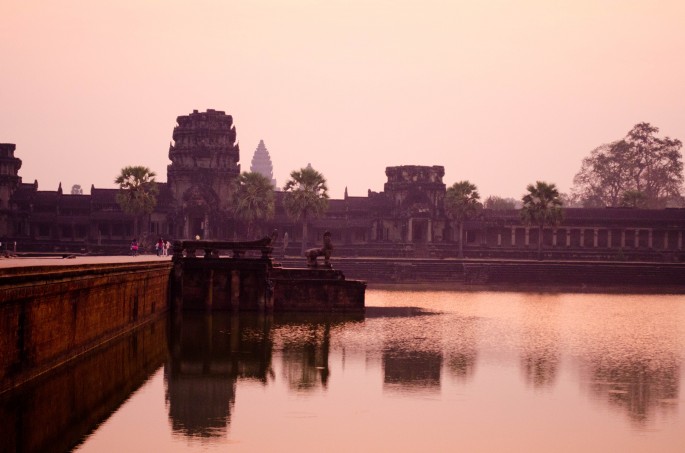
x,y
196,227
419,231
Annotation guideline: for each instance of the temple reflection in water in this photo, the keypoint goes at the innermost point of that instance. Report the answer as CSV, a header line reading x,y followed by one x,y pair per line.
x,y
207,372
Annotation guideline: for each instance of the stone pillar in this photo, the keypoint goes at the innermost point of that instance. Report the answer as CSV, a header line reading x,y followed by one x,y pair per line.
x,y
595,237
623,239
680,240
429,233
568,237
513,236
186,227
499,239
637,238
205,229
665,239
527,236
582,237
609,238
554,237
650,239
410,234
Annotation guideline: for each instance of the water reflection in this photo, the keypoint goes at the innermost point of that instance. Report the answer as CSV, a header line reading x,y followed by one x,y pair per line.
x,y
461,348
305,356
56,412
540,340
637,387
630,350
411,369
210,353
455,360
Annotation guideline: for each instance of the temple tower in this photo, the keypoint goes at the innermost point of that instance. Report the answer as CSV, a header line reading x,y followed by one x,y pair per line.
x,y
261,163
417,194
9,181
204,165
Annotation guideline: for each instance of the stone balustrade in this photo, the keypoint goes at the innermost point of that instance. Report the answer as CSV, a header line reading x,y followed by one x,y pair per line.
x,y
214,249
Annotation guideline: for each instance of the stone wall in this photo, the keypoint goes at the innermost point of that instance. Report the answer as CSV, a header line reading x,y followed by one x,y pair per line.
x,y
222,284
316,290
50,315
56,412
516,274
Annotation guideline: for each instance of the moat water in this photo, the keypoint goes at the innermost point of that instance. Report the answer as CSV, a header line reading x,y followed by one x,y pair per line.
x,y
420,371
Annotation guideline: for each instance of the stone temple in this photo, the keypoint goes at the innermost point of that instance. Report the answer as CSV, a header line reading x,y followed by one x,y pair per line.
x,y
406,219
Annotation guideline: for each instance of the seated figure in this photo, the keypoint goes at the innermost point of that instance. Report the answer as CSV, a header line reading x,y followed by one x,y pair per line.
x,y
325,251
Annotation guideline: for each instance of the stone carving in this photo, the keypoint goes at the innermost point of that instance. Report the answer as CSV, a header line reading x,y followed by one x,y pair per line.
x,y
325,251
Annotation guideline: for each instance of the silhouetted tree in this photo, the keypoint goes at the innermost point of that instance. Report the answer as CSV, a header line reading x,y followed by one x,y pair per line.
x,y
461,203
306,196
640,162
541,206
633,199
499,203
76,190
253,199
137,192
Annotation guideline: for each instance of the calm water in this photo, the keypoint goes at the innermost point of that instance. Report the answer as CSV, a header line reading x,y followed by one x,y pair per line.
x,y
421,371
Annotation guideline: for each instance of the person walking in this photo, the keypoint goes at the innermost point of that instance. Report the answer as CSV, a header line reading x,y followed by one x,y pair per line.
x,y
134,247
159,246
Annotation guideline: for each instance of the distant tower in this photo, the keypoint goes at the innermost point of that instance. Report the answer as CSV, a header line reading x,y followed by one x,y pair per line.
x,y
261,163
9,181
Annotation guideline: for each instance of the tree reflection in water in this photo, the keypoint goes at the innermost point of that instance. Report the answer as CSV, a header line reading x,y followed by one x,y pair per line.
x,y
630,353
540,340
209,353
639,387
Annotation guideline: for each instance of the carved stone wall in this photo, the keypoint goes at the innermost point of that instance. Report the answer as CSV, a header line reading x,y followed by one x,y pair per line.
x,y
9,180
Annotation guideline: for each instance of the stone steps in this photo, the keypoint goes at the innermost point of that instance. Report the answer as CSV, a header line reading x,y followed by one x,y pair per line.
x,y
511,272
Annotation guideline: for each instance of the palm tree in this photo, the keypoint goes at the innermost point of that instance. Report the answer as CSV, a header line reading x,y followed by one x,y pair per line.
x,y
306,196
254,199
461,203
541,206
137,192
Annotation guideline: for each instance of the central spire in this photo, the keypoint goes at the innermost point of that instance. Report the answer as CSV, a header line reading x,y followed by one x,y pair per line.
x,y
261,163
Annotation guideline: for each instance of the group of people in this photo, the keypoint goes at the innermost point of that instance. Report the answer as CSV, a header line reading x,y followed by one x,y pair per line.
x,y
161,247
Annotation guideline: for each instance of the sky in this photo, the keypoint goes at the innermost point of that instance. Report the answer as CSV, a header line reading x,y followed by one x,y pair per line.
x,y
502,93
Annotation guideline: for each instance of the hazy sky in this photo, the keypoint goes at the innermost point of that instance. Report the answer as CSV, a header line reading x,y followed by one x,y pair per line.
x,y
502,93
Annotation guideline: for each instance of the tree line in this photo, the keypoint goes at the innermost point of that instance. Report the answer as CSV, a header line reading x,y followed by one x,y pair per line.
x,y
640,170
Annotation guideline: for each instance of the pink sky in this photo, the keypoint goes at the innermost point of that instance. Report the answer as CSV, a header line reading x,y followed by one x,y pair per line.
x,y
502,93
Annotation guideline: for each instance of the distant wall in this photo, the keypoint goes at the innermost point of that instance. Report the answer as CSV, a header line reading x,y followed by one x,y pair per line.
x,y
50,315
515,274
